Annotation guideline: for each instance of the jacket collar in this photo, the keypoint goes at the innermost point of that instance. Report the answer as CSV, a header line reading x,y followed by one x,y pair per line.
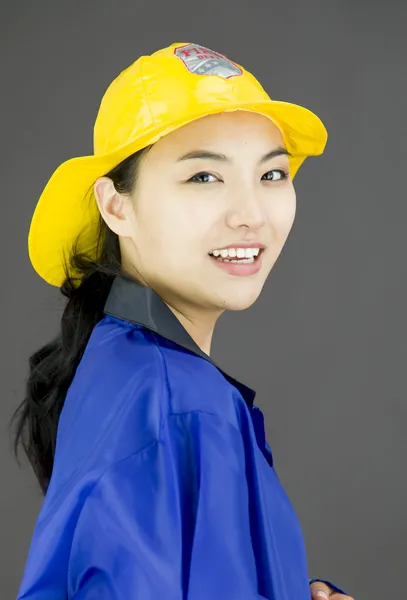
x,y
130,300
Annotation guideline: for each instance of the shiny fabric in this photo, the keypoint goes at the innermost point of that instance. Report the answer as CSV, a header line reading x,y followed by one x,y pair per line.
x,y
164,485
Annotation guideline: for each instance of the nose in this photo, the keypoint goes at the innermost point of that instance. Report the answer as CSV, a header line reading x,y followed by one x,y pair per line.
x,y
246,210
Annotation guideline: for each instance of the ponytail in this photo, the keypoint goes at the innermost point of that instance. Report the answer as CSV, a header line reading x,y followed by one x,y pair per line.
x,y
52,367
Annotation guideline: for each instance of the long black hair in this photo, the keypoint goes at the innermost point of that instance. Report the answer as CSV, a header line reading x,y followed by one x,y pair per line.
x,y
52,367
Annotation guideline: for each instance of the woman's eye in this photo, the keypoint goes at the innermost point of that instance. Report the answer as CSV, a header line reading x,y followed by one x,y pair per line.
x,y
196,177
281,174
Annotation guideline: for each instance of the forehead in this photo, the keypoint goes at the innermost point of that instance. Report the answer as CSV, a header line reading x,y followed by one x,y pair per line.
x,y
223,130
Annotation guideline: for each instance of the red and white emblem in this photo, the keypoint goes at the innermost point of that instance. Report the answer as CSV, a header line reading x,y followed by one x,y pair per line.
x,y
203,61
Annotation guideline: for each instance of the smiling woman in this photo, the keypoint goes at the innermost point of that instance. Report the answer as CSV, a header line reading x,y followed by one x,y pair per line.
x,y
157,476
170,222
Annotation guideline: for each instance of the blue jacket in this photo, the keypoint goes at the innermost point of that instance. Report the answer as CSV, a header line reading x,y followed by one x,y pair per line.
x,y
163,484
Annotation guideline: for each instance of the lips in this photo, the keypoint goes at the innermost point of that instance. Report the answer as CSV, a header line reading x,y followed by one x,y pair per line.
x,y
239,267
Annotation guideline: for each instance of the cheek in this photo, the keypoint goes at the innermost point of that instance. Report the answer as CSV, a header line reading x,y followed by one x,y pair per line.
x,y
171,234
282,215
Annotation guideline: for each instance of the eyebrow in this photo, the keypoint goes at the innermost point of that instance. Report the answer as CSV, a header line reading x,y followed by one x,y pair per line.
x,y
207,154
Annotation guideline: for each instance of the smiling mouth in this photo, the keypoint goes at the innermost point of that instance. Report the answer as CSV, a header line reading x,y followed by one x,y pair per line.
x,y
240,259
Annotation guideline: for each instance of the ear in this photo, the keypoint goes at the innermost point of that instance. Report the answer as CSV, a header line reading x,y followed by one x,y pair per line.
x,y
114,207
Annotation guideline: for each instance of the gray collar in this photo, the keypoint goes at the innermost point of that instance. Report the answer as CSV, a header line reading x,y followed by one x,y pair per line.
x,y
130,300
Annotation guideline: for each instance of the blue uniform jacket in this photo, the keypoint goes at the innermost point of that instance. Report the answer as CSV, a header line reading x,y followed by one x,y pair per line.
x,y
163,484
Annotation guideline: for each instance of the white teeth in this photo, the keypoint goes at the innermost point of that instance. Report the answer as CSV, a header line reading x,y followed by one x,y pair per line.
x,y
237,252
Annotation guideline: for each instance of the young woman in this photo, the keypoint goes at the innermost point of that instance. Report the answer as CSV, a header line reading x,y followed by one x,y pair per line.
x,y
157,477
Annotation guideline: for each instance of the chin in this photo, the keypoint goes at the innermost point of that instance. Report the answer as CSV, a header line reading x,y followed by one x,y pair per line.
x,y
241,299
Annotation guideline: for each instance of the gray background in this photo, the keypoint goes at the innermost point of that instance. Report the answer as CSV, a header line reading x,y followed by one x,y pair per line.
x,y
324,346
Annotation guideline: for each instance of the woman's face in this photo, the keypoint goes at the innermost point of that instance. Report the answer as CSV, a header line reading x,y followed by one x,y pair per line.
x,y
183,209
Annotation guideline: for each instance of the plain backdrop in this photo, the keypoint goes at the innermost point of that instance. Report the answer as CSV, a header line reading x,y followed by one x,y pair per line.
x,y
325,344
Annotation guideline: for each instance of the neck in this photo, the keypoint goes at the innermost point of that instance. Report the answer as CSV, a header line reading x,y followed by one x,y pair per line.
x,y
199,327
198,322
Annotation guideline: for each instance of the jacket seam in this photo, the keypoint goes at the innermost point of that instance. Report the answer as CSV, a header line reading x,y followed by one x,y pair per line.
x,y
123,459
164,368
150,444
